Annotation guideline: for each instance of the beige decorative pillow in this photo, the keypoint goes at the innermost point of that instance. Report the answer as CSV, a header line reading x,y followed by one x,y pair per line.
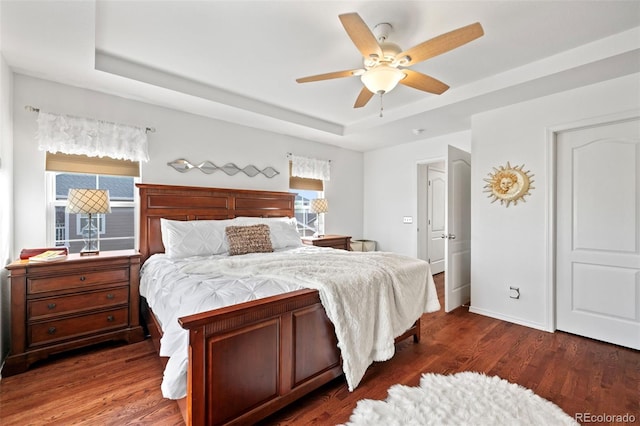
x,y
248,239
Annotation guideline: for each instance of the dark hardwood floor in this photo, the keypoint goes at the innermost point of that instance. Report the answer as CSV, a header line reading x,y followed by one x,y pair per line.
x,y
120,384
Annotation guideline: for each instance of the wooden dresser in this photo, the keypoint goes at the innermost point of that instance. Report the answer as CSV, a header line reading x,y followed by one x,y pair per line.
x,y
66,304
335,241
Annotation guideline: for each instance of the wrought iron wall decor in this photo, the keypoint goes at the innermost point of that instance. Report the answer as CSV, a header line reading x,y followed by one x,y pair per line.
x,y
230,169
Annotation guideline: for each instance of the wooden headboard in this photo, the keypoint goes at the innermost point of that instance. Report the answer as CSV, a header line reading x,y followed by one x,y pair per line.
x,y
198,203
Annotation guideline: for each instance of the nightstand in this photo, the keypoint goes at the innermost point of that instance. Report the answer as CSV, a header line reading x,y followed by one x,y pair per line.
x,y
66,304
334,241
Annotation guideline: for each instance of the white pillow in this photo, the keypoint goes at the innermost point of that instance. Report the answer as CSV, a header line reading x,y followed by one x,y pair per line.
x,y
185,238
285,234
283,230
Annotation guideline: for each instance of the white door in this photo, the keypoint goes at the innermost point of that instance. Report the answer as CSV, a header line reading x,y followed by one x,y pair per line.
x,y
457,280
436,210
598,232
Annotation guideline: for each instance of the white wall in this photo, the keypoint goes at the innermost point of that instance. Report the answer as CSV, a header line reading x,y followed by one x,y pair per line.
x,y
6,199
391,189
510,246
177,135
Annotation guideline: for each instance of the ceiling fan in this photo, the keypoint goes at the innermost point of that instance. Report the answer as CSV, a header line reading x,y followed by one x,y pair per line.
x,y
385,63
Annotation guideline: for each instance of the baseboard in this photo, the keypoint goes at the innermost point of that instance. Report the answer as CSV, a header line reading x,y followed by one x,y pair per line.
x,y
507,318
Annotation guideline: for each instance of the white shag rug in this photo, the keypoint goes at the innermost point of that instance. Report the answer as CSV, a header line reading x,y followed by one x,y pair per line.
x,y
466,398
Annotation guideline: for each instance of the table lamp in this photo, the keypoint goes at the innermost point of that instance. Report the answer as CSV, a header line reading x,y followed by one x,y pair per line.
x,y
320,206
89,202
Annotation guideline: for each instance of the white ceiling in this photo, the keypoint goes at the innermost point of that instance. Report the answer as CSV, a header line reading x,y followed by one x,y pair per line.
x,y
238,60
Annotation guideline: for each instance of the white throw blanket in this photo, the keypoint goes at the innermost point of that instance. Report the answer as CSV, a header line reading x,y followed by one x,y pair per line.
x,y
370,297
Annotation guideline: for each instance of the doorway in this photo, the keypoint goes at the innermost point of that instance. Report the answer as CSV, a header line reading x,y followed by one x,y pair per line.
x,y
444,222
432,186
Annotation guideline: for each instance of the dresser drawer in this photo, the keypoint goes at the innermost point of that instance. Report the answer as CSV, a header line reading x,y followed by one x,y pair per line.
x,y
50,331
54,306
74,281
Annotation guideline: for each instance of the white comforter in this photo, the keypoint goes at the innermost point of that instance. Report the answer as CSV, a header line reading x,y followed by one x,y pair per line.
x,y
370,297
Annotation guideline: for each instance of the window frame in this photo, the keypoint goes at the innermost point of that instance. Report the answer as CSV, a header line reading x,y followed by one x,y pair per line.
x,y
52,203
299,184
306,212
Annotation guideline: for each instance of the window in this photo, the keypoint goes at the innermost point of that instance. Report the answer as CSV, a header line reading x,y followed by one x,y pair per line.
x,y
307,220
306,189
117,229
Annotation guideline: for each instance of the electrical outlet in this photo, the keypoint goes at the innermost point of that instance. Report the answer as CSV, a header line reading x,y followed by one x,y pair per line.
x,y
407,219
514,292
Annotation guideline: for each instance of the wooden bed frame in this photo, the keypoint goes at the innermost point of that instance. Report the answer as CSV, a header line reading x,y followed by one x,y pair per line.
x,y
249,360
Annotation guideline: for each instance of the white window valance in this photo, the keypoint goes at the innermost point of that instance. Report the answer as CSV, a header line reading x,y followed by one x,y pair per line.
x,y
310,168
93,138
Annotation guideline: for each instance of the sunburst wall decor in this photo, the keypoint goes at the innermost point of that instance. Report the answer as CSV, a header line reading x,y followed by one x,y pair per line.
x,y
509,184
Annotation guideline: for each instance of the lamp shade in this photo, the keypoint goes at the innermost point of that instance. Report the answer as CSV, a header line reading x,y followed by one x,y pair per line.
x,y
319,205
88,201
382,78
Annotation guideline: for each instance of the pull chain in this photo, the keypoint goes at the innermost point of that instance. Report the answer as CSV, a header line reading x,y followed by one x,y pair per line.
x,y
381,108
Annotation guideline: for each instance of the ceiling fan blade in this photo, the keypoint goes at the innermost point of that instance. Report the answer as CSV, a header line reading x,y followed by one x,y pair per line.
x,y
364,97
361,35
329,76
443,43
423,82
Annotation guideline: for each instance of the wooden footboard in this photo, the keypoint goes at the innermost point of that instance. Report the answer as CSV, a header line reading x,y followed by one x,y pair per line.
x,y
252,359
249,360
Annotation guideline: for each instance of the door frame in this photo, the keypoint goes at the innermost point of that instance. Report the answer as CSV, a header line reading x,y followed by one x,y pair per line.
x,y
421,213
551,190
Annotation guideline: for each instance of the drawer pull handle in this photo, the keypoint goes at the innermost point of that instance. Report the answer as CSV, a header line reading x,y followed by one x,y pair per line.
x,y
82,278
51,330
110,318
51,306
110,296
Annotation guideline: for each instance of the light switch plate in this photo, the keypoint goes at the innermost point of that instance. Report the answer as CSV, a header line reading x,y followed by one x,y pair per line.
x,y
407,219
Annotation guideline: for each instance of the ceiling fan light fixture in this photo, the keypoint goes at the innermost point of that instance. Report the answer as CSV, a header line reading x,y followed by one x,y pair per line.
x,y
382,78
386,64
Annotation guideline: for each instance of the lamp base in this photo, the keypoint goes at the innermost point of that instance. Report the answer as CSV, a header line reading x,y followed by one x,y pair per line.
x,y
91,242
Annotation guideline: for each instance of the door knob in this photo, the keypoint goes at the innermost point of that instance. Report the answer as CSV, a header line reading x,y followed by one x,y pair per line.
x,y
448,237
